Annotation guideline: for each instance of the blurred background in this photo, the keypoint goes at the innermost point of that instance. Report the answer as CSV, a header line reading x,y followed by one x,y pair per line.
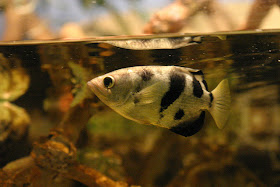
x,y
48,19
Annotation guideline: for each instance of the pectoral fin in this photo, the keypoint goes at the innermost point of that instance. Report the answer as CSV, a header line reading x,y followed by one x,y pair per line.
x,y
147,95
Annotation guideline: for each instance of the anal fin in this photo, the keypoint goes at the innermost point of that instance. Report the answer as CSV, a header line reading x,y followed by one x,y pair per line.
x,y
189,128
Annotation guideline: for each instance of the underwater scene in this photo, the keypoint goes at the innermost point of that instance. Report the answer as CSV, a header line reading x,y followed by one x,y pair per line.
x,y
167,93
54,130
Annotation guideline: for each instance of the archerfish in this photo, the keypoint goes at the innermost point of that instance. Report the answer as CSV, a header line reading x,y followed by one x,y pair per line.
x,y
172,97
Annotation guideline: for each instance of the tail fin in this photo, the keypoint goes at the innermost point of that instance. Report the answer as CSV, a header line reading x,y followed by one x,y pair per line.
x,y
221,103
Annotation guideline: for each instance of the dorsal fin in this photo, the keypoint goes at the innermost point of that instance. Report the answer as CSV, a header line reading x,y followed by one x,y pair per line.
x,y
189,128
198,74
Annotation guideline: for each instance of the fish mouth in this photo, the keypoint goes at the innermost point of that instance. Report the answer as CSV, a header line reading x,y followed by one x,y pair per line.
x,y
95,88
90,85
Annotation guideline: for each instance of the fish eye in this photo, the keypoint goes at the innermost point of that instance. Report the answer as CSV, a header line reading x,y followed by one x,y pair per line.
x,y
108,82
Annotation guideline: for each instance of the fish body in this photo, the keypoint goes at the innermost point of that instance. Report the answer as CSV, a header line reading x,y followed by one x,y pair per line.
x,y
156,43
172,97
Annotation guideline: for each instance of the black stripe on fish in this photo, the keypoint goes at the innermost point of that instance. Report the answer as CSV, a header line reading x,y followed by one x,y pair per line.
x,y
189,128
205,84
211,99
176,87
197,90
179,114
146,75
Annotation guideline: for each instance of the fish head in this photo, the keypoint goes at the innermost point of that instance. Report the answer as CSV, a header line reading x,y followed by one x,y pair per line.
x,y
113,89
